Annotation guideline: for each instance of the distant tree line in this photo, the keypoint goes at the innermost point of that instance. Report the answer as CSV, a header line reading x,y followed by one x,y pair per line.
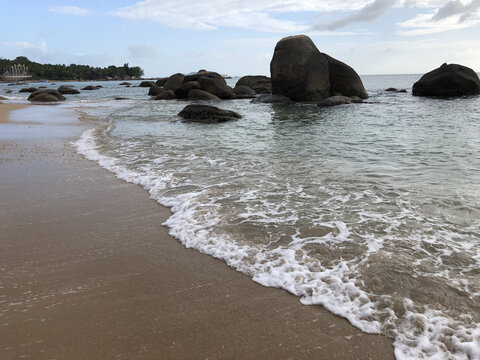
x,y
72,71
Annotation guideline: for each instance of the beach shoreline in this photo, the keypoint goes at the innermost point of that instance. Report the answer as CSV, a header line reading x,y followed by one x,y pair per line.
x,y
89,271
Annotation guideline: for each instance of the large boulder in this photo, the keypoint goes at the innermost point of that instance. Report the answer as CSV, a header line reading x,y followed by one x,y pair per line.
x,y
46,95
447,81
299,71
92,87
207,114
344,80
196,94
174,82
302,73
161,81
259,83
217,87
67,89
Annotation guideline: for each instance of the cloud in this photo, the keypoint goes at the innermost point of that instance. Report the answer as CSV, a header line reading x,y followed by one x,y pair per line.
x,y
260,15
144,51
456,7
369,12
69,10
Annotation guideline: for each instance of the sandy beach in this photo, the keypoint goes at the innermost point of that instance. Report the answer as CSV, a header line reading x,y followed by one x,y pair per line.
x,y
87,271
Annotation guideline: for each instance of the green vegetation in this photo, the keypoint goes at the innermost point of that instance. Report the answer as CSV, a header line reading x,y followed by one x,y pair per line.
x,y
72,71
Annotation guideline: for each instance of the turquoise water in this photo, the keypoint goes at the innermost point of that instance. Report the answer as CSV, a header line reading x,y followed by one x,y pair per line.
x,y
371,210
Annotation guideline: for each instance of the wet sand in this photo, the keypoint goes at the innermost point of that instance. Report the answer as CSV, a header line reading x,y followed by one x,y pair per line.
x,y
87,271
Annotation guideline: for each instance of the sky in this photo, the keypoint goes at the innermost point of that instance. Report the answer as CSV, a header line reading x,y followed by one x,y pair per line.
x,y
238,37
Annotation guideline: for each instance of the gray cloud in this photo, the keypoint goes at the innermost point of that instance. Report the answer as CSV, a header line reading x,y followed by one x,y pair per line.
x,y
367,13
455,7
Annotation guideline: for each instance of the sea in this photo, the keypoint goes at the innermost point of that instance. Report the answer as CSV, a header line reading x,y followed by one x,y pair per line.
x,y
370,210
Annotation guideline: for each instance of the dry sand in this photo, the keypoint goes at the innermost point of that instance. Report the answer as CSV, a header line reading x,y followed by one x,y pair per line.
x,y
87,271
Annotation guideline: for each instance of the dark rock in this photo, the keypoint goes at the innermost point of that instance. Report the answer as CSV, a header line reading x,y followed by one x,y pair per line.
x,y
243,90
448,81
335,100
46,95
29,90
9,91
90,87
161,81
121,98
206,74
146,84
166,95
67,89
207,114
155,90
182,91
272,99
196,94
356,99
42,87
217,87
125,83
392,89
344,80
174,82
259,83
299,71
98,86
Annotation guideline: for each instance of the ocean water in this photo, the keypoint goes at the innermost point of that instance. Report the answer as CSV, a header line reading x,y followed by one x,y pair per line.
x,y
371,210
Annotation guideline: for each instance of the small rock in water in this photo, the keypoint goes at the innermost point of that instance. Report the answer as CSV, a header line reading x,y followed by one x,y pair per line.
x,y
207,114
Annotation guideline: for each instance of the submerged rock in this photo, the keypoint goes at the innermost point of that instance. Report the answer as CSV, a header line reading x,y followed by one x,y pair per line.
x,y
92,87
272,99
46,95
29,90
392,89
165,95
447,81
125,83
67,89
146,84
207,114
335,100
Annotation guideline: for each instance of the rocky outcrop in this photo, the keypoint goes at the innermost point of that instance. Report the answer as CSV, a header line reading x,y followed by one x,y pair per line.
x,y
196,94
125,83
174,82
207,114
206,74
302,73
298,70
259,83
448,81
46,95
67,89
